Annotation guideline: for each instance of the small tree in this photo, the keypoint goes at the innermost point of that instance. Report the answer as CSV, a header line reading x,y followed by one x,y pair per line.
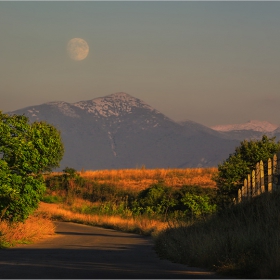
x,y
26,151
233,171
69,173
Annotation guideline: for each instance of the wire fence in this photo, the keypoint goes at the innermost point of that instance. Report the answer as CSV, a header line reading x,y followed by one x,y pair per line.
x,y
264,178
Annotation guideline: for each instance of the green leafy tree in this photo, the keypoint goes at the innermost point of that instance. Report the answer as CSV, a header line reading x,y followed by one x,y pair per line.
x,y
26,152
233,171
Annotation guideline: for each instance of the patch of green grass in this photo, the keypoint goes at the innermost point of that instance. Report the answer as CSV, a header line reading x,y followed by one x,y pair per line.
x,y
52,199
5,244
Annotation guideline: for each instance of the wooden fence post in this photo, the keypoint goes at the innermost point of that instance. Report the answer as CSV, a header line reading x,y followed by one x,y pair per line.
x,y
254,192
249,189
262,189
258,179
278,171
269,175
245,189
239,196
274,170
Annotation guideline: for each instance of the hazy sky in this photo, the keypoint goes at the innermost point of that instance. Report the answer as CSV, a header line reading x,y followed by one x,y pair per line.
x,y
209,62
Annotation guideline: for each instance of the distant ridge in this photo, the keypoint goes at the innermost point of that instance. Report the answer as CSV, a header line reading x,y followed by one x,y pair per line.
x,y
255,125
120,131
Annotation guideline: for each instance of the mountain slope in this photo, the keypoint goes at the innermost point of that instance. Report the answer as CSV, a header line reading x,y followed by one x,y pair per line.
x,y
120,131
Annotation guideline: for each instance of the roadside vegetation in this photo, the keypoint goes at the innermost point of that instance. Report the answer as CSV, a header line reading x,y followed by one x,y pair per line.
x,y
35,227
66,213
243,241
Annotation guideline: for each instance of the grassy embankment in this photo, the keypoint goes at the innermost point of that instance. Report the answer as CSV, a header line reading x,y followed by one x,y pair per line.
x,y
243,241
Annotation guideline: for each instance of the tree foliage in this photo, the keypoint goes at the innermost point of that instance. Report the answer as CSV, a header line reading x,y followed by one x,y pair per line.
x,y
26,151
158,198
233,171
197,205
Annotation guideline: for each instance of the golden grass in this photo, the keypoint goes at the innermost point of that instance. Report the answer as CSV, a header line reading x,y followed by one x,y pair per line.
x,y
137,225
34,228
142,178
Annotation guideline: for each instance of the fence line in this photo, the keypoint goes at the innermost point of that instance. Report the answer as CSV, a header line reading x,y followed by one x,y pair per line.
x,y
264,178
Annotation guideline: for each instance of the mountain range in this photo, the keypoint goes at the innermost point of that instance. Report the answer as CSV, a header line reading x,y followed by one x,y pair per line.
x,y
121,131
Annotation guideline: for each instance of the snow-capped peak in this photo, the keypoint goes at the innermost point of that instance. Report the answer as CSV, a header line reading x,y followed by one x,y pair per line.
x,y
255,125
112,105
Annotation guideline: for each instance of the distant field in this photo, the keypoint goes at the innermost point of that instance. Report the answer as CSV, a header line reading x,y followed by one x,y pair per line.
x,y
142,178
114,198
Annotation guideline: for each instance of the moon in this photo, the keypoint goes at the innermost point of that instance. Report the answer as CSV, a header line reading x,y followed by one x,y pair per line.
x,y
77,49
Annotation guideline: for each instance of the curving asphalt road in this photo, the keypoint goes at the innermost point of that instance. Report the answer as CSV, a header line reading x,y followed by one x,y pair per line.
x,y
86,252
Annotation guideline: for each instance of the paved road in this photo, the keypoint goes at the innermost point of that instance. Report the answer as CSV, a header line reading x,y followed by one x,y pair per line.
x,y
79,251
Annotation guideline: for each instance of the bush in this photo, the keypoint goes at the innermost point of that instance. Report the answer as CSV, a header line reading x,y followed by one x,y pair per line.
x,y
197,205
157,199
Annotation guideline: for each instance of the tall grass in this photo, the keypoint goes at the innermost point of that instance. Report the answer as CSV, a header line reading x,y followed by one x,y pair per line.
x,y
244,240
36,227
67,213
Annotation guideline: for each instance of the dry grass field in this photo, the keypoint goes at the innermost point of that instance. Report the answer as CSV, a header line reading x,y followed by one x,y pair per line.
x,y
142,178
